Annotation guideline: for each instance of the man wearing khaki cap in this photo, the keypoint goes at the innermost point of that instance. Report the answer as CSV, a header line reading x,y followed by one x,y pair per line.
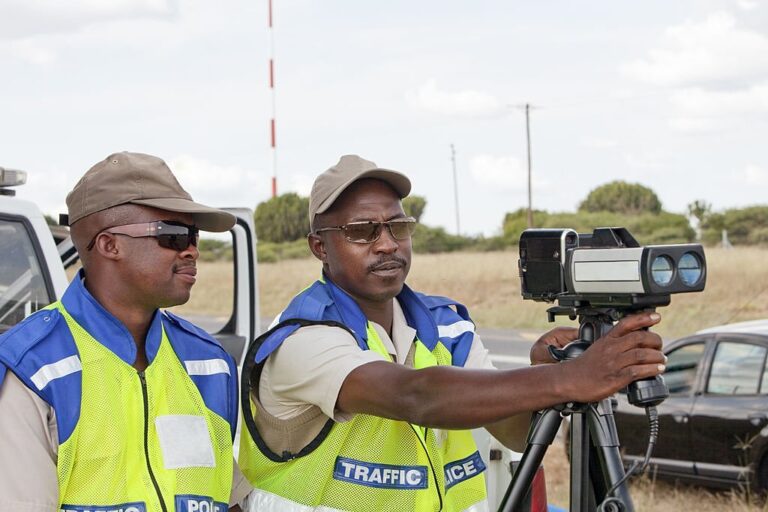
x,y
116,404
361,397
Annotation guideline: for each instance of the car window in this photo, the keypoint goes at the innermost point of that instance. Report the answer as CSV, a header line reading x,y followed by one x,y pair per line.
x,y
681,368
737,369
22,285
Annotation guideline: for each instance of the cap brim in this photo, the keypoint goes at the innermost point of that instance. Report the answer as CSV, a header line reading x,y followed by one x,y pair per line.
x,y
396,180
206,218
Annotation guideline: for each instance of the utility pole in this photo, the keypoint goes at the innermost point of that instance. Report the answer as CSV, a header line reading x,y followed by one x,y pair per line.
x,y
272,129
528,139
455,189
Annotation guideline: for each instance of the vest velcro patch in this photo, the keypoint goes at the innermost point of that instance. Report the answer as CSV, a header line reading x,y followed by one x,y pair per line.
x,y
192,503
137,506
385,476
463,469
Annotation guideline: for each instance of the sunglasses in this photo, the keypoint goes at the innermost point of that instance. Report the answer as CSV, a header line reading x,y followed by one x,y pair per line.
x,y
170,234
367,232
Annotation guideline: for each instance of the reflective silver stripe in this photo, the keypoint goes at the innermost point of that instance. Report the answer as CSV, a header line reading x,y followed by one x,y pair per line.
x,y
53,371
453,330
263,501
207,367
480,506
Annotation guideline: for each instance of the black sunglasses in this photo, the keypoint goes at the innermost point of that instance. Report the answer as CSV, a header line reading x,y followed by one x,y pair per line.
x,y
367,232
170,234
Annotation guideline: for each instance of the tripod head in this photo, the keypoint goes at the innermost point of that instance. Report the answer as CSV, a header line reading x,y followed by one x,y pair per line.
x,y
594,322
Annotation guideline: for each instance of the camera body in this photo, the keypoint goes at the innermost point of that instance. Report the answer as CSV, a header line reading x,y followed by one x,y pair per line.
x,y
607,268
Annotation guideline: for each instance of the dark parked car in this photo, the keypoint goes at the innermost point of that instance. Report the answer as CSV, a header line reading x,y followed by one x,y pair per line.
x,y
714,425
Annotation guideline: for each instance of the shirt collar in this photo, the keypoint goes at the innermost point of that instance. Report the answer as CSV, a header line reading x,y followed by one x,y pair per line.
x,y
105,327
416,313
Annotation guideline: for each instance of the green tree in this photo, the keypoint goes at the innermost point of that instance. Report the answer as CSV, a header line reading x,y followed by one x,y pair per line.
x,y
744,225
621,197
282,218
414,206
647,228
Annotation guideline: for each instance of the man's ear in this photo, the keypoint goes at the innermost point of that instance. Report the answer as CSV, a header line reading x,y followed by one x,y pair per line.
x,y
317,246
107,246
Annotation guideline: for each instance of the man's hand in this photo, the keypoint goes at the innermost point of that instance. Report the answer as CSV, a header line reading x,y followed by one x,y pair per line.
x,y
627,353
558,337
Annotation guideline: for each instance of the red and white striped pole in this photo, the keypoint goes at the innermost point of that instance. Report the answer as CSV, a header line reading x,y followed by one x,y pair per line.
x,y
272,89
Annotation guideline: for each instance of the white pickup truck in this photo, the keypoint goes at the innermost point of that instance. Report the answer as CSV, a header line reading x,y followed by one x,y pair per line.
x,y
33,261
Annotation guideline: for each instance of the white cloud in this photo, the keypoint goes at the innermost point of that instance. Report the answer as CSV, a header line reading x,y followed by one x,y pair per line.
x,y
300,183
220,185
693,124
29,50
645,161
755,175
711,50
26,18
747,5
467,103
502,172
598,142
698,101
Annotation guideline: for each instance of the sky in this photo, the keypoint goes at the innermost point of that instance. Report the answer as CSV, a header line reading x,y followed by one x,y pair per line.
x,y
672,95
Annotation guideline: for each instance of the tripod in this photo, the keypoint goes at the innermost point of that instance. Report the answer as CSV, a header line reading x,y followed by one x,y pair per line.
x,y
596,467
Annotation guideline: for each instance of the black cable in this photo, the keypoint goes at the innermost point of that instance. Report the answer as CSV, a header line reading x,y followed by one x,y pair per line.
x,y
612,503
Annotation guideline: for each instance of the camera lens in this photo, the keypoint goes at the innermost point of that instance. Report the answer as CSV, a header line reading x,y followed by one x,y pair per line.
x,y
689,268
662,270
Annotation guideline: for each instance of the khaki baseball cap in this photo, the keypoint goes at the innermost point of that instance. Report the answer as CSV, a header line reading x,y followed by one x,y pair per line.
x,y
330,184
141,179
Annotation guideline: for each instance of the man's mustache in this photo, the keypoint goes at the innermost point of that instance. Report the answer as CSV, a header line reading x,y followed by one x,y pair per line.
x,y
389,259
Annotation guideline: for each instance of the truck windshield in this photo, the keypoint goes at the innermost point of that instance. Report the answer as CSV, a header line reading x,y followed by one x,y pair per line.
x,y
22,284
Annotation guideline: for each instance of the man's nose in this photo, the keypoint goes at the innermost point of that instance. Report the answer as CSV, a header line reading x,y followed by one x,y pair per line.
x,y
190,253
386,242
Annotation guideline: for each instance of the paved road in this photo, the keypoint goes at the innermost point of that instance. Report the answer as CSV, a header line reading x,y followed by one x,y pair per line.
x,y
509,348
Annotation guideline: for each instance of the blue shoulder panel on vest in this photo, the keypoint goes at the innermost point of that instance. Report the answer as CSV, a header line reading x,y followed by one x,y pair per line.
x,y
275,339
310,304
24,335
42,339
191,343
191,328
419,315
2,373
345,310
443,312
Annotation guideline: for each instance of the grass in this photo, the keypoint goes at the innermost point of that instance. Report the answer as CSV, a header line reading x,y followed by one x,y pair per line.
x,y
649,494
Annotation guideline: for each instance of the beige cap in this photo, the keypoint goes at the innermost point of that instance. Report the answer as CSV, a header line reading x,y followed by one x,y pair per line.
x,y
142,179
330,184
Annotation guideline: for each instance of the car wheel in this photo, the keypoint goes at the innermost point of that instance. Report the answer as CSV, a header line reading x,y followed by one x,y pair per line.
x,y
761,476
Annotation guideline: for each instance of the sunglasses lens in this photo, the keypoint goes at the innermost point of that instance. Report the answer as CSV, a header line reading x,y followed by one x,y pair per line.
x,y
362,232
402,229
175,242
177,236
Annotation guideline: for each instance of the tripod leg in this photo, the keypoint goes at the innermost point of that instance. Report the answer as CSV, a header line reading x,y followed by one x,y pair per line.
x,y
541,436
581,486
605,438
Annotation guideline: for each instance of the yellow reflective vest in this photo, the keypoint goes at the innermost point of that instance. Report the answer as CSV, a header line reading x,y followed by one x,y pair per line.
x,y
369,463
